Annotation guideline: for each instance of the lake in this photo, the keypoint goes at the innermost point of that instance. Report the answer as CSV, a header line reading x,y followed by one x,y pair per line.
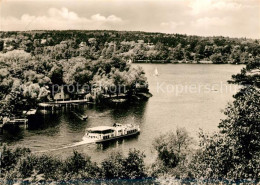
x,y
184,95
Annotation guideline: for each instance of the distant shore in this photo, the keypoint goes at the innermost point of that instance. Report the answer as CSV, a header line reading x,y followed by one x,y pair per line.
x,y
183,62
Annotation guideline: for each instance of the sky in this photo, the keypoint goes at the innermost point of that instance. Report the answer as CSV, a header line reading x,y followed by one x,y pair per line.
x,y
233,18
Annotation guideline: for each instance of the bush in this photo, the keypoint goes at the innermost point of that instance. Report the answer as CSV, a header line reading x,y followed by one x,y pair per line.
x,y
118,167
134,165
234,152
49,167
10,158
26,166
174,152
113,166
79,167
173,148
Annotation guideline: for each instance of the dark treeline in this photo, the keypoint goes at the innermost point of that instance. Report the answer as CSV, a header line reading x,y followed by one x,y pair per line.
x,y
134,46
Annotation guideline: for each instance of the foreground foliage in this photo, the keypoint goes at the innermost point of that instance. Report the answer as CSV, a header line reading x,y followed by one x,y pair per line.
x,y
234,152
21,165
231,155
174,153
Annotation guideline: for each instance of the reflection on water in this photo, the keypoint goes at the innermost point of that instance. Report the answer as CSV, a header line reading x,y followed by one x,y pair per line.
x,y
163,112
12,133
115,143
60,129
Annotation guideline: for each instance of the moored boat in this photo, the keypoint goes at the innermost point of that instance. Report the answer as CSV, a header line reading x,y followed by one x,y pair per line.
x,y
105,133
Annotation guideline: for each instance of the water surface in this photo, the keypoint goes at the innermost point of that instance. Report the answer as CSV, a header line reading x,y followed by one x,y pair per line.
x,y
184,95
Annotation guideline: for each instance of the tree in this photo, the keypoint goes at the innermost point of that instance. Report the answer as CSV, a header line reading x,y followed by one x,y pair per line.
x,y
113,167
83,77
173,148
10,158
134,165
216,58
56,75
213,159
48,166
119,167
178,53
242,126
1,45
79,166
250,75
234,152
118,81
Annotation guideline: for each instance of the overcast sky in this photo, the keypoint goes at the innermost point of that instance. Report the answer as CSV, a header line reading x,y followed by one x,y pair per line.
x,y
234,18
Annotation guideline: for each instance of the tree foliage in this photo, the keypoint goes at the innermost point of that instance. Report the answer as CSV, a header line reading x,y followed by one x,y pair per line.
x,y
119,167
20,164
174,154
234,152
31,76
138,46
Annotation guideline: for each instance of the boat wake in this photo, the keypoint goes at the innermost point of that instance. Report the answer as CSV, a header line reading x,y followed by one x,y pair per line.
x,y
65,147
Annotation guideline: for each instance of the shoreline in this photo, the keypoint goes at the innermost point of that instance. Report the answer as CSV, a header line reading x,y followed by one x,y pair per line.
x,y
202,63
104,99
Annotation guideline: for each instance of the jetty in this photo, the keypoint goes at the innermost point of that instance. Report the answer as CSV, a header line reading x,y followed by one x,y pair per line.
x,y
23,120
53,104
14,122
68,102
17,121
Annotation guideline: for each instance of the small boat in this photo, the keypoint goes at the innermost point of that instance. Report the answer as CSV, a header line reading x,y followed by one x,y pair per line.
x,y
156,73
121,100
105,133
82,117
31,112
44,105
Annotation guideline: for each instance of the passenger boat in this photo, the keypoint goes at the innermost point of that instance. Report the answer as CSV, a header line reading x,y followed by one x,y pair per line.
x,y
105,133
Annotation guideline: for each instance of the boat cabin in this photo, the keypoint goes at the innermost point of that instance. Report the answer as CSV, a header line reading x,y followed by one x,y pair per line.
x,y
101,132
105,133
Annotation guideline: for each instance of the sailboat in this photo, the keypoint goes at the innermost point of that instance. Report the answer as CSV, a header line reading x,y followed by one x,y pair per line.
x,y
156,72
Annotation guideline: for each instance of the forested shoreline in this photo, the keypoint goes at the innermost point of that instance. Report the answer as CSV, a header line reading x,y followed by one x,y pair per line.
x,y
132,46
35,71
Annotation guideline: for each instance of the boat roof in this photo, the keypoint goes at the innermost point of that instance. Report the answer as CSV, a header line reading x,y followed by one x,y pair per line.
x,y
101,128
31,111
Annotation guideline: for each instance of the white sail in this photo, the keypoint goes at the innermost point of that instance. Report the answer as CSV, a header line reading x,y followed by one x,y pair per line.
x,y
156,73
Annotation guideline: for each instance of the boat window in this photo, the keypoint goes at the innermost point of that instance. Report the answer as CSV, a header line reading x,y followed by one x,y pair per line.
x,y
101,132
107,131
95,131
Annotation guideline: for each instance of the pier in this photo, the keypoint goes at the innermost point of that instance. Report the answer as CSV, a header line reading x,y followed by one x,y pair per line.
x,y
63,102
68,102
14,122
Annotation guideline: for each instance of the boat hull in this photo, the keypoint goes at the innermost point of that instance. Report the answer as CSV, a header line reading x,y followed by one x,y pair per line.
x,y
117,137
114,138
